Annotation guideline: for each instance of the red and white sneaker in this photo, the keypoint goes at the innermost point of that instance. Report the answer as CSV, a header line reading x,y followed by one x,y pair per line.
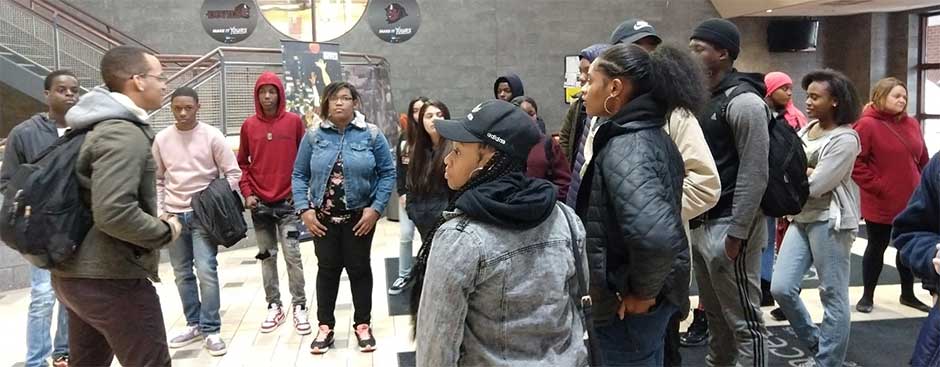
x,y
275,318
301,323
365,338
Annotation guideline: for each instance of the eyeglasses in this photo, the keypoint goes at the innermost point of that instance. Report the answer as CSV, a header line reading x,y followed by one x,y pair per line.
x,y
344,99
157,77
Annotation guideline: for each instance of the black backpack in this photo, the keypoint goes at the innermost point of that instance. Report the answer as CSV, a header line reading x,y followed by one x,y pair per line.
x,y
787,183
219,212
43,215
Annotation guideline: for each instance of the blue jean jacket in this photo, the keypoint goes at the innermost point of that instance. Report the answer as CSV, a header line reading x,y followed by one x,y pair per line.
x,y
368,166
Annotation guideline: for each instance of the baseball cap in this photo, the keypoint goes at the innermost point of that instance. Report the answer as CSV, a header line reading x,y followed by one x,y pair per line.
x,y
496,123
632,30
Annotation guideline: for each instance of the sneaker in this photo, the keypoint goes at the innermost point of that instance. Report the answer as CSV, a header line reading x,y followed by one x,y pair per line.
x,y
301,323
187,337
777,314
324,340
366,340
766,298
275,318
60,361
399,285
697,334
215,345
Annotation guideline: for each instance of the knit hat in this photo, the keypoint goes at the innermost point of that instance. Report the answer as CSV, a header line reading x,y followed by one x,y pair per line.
x,y
720,33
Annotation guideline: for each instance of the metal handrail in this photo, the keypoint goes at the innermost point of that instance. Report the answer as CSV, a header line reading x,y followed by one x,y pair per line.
x,y
66,14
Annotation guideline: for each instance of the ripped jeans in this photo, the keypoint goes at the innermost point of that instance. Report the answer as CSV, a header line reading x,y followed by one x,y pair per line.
x,y
268,234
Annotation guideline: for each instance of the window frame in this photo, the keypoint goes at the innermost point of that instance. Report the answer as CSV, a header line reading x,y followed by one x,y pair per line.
x,y
923,67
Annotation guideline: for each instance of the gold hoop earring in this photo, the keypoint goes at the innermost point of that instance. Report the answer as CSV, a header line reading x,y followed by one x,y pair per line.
x,y
605,104
474,172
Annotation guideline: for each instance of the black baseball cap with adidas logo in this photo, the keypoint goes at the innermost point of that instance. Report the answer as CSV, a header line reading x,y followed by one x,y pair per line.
x,y
496,123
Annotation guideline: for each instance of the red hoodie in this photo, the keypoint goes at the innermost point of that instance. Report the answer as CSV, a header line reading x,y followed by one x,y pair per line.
x,y
886,170
268,147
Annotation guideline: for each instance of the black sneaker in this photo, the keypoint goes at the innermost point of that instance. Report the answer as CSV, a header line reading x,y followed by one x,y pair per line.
x,y
324,340
766,299
777,314
864,305
697,334
399,285
365,337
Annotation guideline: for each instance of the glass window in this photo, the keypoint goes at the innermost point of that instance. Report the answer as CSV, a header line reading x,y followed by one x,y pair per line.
x,y
294,18
932,40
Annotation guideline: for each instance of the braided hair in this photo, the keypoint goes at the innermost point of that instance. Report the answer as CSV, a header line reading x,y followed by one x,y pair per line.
x,y
500,165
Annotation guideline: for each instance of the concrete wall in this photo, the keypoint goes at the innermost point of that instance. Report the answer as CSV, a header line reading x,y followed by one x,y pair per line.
x,y
16,107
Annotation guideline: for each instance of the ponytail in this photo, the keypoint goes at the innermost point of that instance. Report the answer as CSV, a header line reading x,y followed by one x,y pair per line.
x,y
678,79
671,75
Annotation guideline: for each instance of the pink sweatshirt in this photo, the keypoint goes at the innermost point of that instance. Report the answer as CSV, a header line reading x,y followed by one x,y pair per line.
x,y
187,161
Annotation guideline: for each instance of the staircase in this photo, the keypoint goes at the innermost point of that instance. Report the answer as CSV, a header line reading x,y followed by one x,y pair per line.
x,y
37,36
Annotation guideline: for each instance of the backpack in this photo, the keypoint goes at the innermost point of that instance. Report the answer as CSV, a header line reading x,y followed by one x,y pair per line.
x,y
787,183
43,216
218,210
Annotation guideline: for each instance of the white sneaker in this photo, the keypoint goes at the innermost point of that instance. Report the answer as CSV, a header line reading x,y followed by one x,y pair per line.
x,y
301,321
275,318
215,345
191,335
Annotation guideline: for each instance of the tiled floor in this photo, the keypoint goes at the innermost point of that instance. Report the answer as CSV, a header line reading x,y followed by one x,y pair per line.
x,y
243,308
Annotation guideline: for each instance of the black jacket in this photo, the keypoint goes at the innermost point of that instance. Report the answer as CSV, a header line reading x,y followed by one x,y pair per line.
x,y
218,210
26,141
636,243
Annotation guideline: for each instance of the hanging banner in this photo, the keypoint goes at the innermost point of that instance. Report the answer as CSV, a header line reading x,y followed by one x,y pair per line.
x,y
394,21
375,96
308,69
229,21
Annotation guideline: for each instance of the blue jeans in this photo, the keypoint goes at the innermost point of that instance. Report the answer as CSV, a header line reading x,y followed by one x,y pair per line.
x,y
767,258
200,303
637,340
405,254
39,344
816,244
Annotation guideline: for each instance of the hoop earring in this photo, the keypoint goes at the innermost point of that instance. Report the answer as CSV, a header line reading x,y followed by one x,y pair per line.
x,y
605,104
473,173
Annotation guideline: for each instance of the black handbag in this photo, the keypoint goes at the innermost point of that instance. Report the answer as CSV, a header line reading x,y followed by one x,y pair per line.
x,y
583,297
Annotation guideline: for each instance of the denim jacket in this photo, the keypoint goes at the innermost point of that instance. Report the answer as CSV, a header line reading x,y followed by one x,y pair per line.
x,y
368,166
495,296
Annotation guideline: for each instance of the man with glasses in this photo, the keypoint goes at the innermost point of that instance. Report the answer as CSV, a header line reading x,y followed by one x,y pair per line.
x,y
113,307
269,141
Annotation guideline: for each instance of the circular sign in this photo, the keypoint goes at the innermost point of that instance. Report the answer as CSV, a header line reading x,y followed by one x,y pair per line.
x,y
229,21
394,21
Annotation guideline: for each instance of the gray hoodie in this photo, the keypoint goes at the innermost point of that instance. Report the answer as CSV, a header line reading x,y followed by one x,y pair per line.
x,y
831,181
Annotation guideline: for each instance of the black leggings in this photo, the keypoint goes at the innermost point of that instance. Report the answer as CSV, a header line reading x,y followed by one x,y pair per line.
x,y
879,235
339,249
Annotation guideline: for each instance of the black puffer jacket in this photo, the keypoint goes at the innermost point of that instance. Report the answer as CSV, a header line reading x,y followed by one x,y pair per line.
x,y
635,239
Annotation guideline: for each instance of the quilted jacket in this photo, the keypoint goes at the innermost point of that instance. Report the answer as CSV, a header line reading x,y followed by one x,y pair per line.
x,y
632,213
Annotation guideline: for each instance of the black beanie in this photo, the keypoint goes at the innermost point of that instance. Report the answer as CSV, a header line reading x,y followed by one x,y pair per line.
x,y
720,33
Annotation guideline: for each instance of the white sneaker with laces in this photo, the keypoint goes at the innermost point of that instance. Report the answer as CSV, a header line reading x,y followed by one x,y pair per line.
x,y
275,318
215,345
301,321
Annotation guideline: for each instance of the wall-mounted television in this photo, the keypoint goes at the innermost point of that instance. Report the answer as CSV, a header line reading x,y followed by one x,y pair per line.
x,y
792,35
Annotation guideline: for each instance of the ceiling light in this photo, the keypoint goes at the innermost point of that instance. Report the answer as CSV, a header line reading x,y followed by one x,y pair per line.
x,y
769,11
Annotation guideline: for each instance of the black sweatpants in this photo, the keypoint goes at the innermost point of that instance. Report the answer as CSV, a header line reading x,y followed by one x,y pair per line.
x,y
879,236
339,249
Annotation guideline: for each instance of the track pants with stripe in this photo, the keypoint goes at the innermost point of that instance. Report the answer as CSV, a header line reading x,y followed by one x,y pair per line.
x,y
730,291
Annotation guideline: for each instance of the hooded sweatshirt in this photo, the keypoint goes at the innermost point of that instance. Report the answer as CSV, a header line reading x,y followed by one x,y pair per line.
x,y
887,169
515,84
736,132
115,170
268,147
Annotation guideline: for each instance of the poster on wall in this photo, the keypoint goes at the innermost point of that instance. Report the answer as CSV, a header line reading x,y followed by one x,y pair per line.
x,y
229,21
308,68
375,96
572,85
394,21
